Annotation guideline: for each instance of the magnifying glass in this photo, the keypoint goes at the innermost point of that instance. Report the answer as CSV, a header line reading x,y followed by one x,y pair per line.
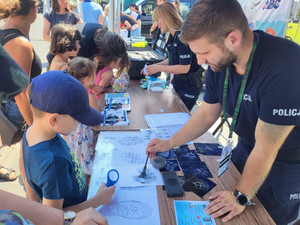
x,y
112,177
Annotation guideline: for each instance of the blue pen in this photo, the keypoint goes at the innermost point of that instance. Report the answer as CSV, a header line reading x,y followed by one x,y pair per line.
x,y
109,105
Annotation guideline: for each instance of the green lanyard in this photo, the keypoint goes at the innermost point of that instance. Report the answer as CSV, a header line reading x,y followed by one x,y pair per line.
x,y
170,52
241,93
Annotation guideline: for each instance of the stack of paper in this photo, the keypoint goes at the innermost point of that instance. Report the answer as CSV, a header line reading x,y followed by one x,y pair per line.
x,y
135,199
165,125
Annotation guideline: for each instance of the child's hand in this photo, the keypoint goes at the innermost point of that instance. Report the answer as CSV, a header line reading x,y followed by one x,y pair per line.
x,y
105,194
97,90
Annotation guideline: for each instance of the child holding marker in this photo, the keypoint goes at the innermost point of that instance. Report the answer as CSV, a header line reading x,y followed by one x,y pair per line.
x,y
59,103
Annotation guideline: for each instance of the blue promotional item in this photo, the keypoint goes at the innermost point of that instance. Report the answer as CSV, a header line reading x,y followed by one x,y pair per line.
x,y
112,177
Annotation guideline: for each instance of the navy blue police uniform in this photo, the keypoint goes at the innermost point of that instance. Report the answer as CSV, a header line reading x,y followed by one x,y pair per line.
x,y
272,95
181,54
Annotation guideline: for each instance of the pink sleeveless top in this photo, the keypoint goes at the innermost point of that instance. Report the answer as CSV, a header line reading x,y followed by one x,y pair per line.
x,y
98,78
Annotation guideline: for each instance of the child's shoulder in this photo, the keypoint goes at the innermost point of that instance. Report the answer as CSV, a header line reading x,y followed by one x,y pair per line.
x,y
32,139
58,64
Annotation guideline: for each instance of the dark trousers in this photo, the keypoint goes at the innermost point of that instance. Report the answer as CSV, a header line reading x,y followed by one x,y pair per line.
x,y
280,193
187,93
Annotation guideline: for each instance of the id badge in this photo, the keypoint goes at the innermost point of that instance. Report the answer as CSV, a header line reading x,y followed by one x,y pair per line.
x,y
225,158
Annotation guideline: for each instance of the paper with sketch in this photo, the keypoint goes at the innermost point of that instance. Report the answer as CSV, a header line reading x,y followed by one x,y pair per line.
x,y
129,141
192,213
132,206
166,119
166,132
115,149
130,176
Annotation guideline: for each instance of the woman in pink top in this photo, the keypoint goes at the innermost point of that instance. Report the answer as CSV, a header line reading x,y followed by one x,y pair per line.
x,y
112,54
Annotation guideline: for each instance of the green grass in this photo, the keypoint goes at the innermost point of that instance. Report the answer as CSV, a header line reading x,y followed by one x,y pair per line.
x,y
291,31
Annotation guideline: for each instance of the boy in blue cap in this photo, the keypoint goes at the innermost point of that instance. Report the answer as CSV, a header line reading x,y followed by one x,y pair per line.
x,y
59,102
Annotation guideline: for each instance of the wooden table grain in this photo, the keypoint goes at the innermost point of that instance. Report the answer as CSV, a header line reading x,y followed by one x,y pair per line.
x,y
252,215
144,102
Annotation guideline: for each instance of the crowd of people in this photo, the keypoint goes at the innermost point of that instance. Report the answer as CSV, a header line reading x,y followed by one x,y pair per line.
x,y
60,108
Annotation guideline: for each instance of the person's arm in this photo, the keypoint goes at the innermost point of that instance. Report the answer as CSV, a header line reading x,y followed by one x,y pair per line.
x,y
165,62
106,78
23,57
94,103
54,203
46,30
33,211
127,25
197,125
153,27
268,140
103,196
37,212
174,69
100,19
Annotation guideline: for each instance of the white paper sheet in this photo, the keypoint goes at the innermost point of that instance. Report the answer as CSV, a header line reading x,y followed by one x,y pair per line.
x,y
129,206
133,206
115,149
130,176
166,119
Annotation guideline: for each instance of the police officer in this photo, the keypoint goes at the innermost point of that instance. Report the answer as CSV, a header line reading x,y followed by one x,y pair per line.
x,y
181,61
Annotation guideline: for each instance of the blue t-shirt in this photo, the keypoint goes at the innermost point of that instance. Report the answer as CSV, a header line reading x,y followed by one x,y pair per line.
x,y
53,172
181,54
91,12
271,93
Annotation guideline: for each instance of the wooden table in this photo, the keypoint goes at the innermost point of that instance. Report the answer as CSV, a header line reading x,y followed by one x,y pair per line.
x,y
144,102
252,215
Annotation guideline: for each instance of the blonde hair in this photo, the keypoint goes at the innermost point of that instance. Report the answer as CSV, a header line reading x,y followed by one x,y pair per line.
x,y
169,14
106,8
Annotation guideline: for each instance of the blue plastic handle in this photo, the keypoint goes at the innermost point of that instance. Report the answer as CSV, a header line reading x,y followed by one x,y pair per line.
x,y
109,181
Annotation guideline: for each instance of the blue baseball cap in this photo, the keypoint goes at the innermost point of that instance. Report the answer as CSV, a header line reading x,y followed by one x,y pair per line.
x,y
59,92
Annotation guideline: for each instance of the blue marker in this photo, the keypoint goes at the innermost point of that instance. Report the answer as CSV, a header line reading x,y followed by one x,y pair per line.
x,y
112,177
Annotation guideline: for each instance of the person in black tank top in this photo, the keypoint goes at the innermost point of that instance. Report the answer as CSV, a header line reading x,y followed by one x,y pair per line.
x,y
14,38
9,34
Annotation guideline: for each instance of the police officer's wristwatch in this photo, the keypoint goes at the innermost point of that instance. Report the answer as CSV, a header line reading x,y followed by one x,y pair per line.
x,y
242,199
69,216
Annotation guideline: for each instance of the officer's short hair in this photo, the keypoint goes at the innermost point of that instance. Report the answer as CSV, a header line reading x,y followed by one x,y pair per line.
x,y
214,20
